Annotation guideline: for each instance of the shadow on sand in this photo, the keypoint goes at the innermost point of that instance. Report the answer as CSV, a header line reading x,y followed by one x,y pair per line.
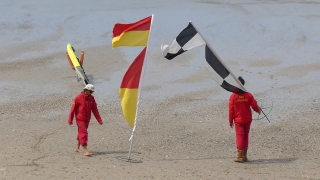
x,y
90,77
271,161
194,159
126,159
123,157
258,161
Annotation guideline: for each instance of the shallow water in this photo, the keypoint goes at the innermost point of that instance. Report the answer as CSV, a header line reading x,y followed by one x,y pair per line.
x,y
256,39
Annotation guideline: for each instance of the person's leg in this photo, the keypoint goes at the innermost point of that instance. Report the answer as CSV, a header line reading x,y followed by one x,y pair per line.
x,y
78,143
246,140
83,137
246,135
78,147
85,151
239,128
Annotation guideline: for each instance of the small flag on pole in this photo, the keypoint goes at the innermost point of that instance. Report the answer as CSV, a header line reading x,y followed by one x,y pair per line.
x,y
190,38
134,34
129,89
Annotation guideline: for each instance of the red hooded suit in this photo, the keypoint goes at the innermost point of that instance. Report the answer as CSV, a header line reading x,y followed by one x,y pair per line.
x,y
240,113
81,107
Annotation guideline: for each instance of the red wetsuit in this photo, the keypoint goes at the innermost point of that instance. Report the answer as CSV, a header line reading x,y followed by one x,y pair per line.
x,y
81,107
240,113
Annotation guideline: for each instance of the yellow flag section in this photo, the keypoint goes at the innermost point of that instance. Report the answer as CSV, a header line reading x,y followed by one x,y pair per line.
x,y
134,34
129,89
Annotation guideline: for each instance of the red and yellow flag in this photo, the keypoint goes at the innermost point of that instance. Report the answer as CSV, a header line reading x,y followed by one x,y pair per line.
x,y
135,34
129,89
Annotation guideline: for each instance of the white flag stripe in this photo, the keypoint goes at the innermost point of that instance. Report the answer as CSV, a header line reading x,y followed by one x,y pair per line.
x,y
233,82
194,42
217,77
186,40
174,47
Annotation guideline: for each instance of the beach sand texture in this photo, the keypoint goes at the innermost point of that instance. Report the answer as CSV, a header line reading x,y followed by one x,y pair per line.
x,y
182,127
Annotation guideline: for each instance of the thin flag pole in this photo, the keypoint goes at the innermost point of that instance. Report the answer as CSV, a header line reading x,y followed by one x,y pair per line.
x,y
264,114
139,93
209,46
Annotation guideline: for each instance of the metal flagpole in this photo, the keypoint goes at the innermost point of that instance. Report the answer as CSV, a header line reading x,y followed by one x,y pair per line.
x,y
139,92
223,63
264,114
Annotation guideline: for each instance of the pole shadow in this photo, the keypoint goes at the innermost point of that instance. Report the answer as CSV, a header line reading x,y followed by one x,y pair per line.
x,y
126,159
123,157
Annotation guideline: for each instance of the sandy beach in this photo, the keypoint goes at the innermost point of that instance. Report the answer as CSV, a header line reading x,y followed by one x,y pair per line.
x,y
182,126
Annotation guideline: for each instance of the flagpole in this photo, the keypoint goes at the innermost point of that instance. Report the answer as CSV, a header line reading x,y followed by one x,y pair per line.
x,y
139,93
223,64
209,46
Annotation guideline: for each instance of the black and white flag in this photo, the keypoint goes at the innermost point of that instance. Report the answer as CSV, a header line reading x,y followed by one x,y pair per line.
x,y
221,74
186,40
190,38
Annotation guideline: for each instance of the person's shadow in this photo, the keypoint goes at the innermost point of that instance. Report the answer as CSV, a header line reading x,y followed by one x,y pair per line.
x,y
271,161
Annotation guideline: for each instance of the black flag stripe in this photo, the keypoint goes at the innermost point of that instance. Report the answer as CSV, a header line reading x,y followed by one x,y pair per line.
x,y
216,65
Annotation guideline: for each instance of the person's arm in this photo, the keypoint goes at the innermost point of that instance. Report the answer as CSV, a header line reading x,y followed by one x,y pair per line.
x,y
95,112
254,105
72,110
231,111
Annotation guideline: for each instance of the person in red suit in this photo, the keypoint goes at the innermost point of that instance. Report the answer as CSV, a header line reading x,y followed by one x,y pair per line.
x,y
82,106
240,116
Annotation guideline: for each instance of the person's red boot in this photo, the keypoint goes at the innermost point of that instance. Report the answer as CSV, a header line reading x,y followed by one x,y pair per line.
x,y
240,157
